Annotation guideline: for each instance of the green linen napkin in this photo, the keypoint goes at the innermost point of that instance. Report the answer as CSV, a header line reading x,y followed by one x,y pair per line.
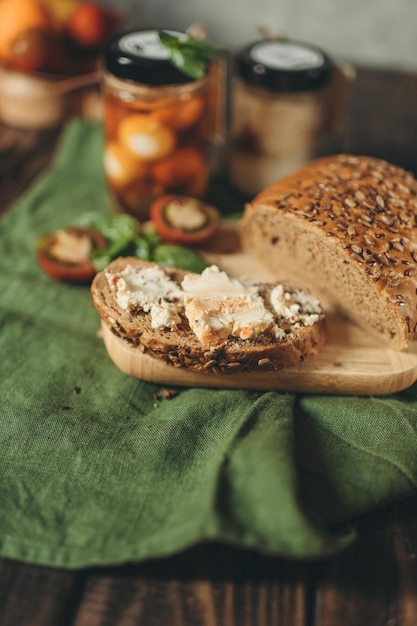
x,y
99,468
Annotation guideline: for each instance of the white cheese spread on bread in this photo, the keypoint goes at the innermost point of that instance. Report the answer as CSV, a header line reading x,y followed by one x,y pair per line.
x,y
150,289
218,307
215,306
299,307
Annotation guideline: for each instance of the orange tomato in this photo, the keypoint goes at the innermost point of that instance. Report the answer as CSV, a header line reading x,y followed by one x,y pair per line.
x,y
89,24
16,17
182,114
180,167
145,137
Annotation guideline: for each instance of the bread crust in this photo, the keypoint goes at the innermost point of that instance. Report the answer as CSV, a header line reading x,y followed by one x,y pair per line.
x,y
347,226
181,348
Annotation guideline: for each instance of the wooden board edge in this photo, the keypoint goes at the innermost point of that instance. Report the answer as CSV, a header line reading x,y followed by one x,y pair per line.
x,y
303,378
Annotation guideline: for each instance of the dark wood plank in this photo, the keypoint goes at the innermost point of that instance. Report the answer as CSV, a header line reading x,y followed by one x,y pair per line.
x,y
375,581
205,586
382,118
37,596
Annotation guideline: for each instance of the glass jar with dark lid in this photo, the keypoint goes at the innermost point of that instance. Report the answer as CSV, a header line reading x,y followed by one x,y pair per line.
x,y
280,107
156,123
284,65
139,56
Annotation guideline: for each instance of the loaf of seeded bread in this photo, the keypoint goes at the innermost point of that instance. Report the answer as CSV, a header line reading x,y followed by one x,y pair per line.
x,y
294,332
346,226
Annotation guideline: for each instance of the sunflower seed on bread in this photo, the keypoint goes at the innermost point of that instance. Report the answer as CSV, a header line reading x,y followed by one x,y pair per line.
x,y
346,226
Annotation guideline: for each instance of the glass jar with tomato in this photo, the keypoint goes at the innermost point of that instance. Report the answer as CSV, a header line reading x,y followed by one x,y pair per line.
x,y
158,123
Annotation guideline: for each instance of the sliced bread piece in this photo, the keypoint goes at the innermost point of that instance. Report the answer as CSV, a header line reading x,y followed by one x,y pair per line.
x,y
346,226
208,322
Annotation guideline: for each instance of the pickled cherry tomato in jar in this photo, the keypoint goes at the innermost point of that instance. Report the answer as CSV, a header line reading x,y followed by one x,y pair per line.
x,y
157,124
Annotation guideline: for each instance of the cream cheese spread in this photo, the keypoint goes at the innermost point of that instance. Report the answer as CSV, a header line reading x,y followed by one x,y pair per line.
x,y
150,289
216,306
298,307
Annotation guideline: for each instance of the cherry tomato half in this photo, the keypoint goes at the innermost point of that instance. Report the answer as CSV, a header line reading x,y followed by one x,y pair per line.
x,y
184,220
66,254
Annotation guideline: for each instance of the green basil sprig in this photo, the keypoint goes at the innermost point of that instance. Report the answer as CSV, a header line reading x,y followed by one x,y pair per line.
x,y
122,233
191,56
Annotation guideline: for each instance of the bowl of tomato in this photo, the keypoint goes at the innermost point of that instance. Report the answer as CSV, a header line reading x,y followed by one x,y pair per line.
x,y
49,58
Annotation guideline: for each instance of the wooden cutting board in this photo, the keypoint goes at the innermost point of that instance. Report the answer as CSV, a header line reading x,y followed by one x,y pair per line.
x,y
351,362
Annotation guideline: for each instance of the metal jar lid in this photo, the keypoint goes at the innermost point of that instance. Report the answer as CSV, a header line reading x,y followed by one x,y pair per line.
x,y
284,65
140,56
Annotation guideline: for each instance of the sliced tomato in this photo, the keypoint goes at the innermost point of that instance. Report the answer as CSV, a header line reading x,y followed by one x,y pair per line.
x,y
66,254
184,220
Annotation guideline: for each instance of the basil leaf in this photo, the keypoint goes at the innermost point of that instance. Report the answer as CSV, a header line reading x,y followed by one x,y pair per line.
x,y
119,231
112,227
141,248
167,40
151,236
203,48
101,257
180,257
188,64
190,56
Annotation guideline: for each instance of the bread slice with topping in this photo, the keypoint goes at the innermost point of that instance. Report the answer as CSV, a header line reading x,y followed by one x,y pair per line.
x,y
208,322
346,226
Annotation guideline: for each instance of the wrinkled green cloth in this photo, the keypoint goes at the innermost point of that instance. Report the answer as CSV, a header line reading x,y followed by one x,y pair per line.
x,y
98,468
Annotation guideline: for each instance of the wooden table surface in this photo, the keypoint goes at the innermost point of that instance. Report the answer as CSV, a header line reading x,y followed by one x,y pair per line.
x,y
373,583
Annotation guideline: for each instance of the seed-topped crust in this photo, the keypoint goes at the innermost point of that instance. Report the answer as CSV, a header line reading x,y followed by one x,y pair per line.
x,y
348,226
179,346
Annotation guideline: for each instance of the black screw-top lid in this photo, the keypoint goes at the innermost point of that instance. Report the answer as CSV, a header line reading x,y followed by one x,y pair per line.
x,y
284,65
139,56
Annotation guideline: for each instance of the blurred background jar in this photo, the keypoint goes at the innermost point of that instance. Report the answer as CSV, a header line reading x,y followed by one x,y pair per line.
x,y
288,106
159,124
